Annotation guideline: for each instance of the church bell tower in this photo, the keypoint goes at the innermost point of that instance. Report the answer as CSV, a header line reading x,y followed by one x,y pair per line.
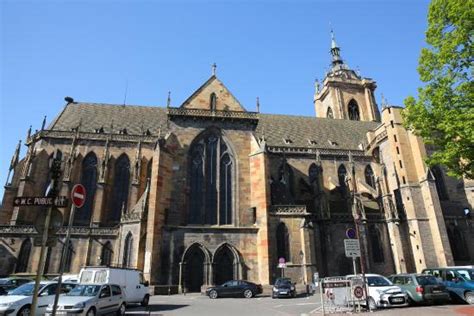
x,y
344,94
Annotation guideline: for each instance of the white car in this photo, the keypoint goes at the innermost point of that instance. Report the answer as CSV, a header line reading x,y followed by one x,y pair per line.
x,y
18,301
382,292
90,300
135,288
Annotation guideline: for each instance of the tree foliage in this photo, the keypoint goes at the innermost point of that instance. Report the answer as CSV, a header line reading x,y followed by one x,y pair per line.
x,y
443,114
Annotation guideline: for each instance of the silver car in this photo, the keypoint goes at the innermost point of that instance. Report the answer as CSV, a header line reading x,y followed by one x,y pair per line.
x,y
91,300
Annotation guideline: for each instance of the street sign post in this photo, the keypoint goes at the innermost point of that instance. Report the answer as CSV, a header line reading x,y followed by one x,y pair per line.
x,y
351,233
59,201
352,248
78,197
282,266
55,172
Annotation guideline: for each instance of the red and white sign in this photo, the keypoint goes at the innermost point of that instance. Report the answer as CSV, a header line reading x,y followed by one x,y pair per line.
x,y
358,292
78,195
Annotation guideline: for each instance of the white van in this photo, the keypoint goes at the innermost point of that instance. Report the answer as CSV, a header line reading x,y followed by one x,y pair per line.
x,y
131,280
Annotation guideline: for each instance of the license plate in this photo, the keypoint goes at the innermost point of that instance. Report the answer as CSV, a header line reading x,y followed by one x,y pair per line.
x,y
284,292
398,300
436,291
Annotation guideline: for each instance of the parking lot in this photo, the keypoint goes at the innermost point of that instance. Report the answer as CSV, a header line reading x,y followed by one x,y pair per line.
x,y
196,304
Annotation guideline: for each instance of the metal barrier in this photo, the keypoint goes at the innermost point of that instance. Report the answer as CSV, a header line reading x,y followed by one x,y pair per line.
x,y
340,295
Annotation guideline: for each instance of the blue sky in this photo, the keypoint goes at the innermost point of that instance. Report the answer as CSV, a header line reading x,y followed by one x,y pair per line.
x,y
93,50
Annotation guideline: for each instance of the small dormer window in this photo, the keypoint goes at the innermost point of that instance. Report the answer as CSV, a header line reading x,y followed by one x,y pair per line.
x,y
99,130
332,143
287,140
312,142
213,102
147,132
123,131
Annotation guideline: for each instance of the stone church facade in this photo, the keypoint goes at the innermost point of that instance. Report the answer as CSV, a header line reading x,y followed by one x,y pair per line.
x,y
209,191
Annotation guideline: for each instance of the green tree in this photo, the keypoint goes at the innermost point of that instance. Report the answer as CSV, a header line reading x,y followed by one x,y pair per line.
x,y
443,114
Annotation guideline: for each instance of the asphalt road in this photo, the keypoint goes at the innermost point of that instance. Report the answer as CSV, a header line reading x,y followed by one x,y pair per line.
x,y
196,304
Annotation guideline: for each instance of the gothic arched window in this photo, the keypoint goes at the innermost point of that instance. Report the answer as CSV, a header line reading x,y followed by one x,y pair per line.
x,y
121,184
369,176
341,176
213,101
376,244
127,251
211,181
329,113
106,255
439,181
283,242
23,256
353,110
314,175
89,180
68,256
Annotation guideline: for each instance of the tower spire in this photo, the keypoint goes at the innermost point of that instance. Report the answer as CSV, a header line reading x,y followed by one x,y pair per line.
x,y
335,51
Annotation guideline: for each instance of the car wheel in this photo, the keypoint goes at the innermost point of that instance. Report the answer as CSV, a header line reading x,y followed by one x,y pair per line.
x,y
121,310
248,293
145,300
469,296
273,295
410,301
213,294
91,312
372,305
24,311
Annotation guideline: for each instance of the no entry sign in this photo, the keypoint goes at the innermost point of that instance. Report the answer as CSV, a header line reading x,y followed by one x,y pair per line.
x,y
78,195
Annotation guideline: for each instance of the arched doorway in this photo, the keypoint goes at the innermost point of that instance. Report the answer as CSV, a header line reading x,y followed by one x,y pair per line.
x,y
224,265
194,259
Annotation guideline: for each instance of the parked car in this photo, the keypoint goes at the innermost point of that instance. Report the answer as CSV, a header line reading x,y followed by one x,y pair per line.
x,y
382,293
18,301
91,300
283,287
10,283
234,288
421,288
135,288
458,280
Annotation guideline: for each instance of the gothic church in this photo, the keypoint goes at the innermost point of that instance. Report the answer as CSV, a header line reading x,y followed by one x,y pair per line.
x,y
209,191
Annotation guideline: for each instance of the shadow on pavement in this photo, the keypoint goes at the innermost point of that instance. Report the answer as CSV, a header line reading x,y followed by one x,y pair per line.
x,y
157,308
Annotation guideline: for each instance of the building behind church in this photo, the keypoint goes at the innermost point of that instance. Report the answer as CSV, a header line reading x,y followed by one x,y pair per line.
x,y
209,191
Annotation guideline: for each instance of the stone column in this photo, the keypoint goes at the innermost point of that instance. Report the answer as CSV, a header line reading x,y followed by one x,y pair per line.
x,y
98,205
159,200
260,198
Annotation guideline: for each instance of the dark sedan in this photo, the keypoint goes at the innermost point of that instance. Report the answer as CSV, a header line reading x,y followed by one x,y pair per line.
x,y
283,288
234,288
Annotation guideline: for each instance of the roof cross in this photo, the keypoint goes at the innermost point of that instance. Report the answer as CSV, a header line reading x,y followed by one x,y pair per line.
x,y
214,67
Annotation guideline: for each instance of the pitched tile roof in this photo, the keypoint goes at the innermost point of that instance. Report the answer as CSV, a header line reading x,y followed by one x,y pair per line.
x,y
279,130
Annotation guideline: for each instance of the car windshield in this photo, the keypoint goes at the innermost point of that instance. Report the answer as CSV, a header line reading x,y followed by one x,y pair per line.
x,y
4,281
84,290
26,289
467,274
280,282
378,281
427,280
